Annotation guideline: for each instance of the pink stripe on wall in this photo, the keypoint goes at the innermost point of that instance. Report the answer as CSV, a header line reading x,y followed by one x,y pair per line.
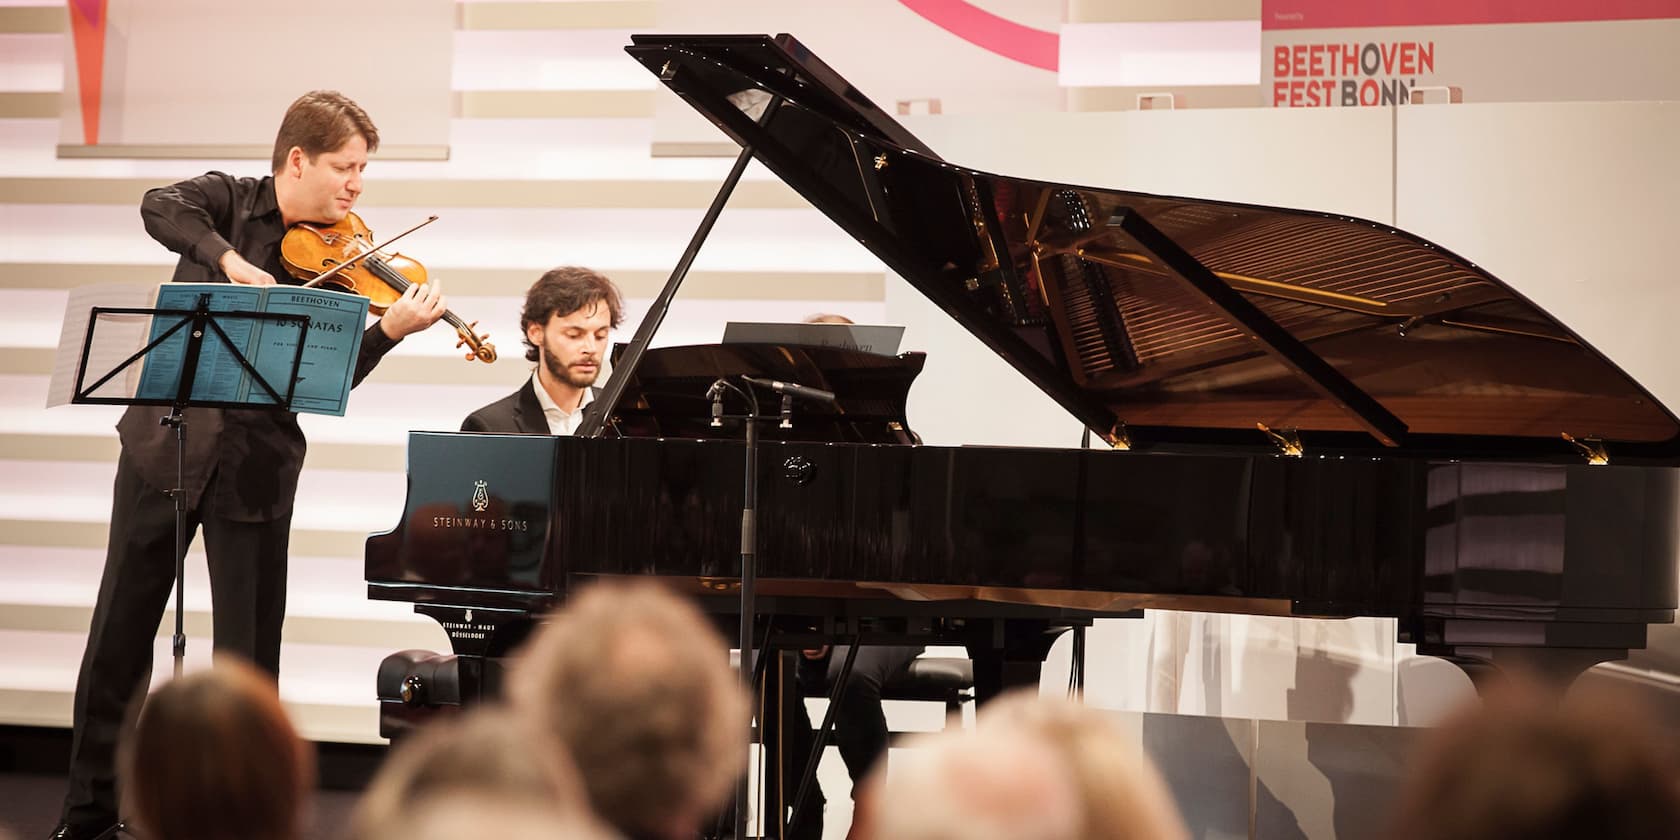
x,y
87,31
1015,41
1338,14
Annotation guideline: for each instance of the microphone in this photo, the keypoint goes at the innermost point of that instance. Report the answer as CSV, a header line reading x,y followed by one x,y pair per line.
x,y
793,389
715,394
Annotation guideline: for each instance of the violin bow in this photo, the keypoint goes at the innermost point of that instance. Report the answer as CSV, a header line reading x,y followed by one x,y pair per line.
x,y
317,279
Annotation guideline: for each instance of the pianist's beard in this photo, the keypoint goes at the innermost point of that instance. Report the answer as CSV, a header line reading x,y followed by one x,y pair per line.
x,y
576,374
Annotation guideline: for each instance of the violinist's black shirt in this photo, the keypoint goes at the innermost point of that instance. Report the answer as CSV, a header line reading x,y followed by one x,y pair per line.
x,y
245,460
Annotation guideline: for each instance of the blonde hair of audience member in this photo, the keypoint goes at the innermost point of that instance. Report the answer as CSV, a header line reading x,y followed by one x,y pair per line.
x,y
487,750
994,784
214,757
1121,794
481,813
1526,765
636,683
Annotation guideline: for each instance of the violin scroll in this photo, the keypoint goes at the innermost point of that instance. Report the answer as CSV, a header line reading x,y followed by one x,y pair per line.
x,y
477,344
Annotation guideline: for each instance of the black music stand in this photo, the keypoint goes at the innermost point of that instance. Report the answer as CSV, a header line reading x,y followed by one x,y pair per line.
x,y
198,322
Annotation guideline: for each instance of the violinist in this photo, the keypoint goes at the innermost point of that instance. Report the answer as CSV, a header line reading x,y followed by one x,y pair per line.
x,y
241,466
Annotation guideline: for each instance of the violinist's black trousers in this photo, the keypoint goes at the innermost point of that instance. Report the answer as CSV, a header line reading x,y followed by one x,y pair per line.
x,y
247,563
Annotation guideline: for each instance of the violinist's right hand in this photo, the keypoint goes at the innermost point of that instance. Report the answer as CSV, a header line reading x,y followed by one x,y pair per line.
x,y
239,270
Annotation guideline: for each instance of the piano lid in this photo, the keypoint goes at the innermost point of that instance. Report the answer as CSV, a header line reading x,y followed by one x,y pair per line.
x,y
1167,321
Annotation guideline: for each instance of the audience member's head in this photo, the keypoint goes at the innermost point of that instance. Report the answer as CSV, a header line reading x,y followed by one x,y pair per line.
x,y
827,318
485,751
1526,765
994,784
1122,796
636,684
213,757
482,813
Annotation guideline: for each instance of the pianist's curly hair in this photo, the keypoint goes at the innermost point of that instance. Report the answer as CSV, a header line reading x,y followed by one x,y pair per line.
x,y
636,684
562,291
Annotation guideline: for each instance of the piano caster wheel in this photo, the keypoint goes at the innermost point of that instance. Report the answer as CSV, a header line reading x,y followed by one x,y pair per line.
x,y
799,470
413,691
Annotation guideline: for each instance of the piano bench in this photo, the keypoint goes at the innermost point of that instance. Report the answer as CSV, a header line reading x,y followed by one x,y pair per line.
x,y
933,679
415,686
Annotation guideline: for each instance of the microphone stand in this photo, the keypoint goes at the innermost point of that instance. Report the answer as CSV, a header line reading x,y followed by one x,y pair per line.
x,y
749,552
749,521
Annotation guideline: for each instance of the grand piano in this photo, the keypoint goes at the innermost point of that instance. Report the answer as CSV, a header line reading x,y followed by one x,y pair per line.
x,y
1299,414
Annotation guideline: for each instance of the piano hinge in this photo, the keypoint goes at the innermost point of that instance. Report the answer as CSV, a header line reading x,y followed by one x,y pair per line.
x,y
881,161
1591,449
720,584
1119,437
1288,441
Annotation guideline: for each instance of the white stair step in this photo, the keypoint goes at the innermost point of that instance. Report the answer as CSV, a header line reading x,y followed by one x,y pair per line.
x,y
580,148
603,239
587,59
328,689
349,501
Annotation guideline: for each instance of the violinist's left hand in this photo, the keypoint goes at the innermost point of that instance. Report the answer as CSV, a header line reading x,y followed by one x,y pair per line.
x,y
418,308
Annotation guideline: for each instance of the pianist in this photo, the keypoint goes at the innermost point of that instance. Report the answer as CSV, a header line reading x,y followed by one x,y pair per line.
x,y
569,313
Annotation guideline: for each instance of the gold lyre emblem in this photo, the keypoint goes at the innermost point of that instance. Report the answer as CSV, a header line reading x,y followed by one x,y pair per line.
x,y
481,496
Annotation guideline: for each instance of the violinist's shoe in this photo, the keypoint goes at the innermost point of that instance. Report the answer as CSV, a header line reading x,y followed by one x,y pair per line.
x,y
68,831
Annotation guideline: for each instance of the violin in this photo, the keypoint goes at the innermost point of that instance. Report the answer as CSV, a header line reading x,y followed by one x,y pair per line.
x,y
343,257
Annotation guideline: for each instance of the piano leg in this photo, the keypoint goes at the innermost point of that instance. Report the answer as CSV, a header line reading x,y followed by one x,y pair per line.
x,y
1550,653
1008,653
789,741
1554,669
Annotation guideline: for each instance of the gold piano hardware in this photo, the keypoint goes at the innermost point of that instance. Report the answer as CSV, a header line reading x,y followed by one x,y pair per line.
x,y
1591,449
1244,283
1043,287
666,73
721,584
1288,441
1119,437
881,161
1036,218
894,425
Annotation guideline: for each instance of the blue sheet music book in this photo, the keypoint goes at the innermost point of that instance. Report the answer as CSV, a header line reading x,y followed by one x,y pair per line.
x,y
331,343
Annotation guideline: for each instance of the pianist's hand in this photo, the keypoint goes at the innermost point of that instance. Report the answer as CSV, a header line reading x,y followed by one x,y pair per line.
x,y
418,308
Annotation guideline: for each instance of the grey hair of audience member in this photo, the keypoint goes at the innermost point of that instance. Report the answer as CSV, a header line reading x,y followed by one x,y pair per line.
x,y
483,813
828,318
994,784
1121,793
636,684
487,750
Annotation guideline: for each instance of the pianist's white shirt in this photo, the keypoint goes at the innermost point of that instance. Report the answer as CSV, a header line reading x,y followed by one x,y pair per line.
x,y
560,421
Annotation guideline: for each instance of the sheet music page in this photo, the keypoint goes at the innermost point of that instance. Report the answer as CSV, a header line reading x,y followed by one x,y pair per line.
x,y
328,362
118,337
219,377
